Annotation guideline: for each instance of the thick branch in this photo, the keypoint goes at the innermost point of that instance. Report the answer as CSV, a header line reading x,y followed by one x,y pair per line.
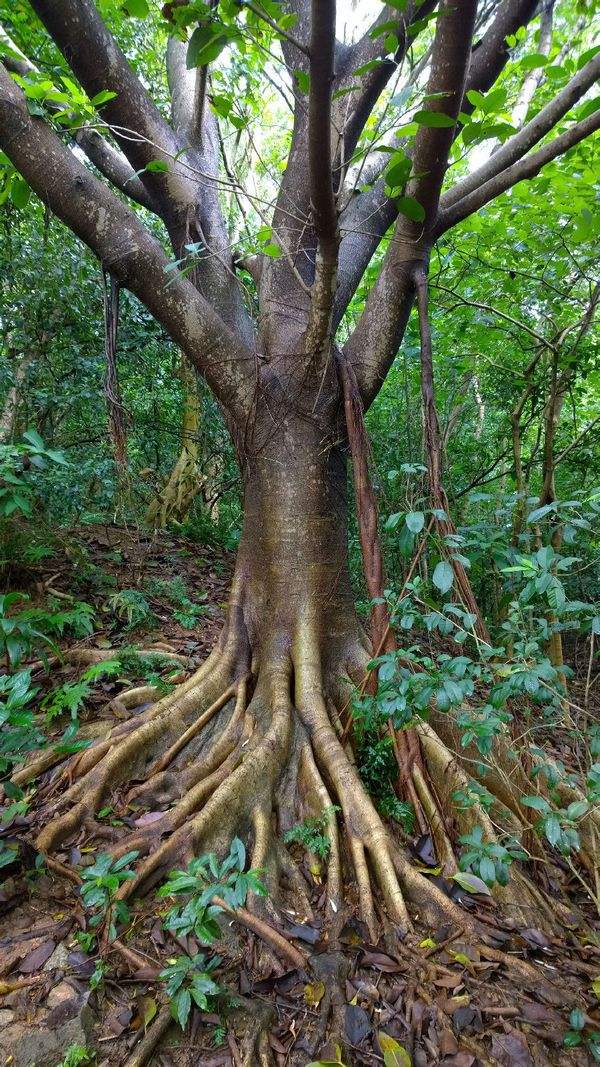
x,y
114,166
371,83
96,60
369,216
526,168
533,132
125,247
375,340
322,191
107,159
491,53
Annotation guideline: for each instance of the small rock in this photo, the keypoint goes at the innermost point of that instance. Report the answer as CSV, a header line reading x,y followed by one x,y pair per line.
x,y
6,1017
61,993
30,1045
58,960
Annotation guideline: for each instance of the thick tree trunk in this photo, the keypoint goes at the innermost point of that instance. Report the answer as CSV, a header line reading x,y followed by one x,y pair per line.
x,y
292,569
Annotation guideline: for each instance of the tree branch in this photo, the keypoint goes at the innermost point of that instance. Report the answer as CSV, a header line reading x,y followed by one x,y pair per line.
x,y
98,63
369,215
323,194
125,247
373,82
492,52
533,132
107,159
529,167
375,341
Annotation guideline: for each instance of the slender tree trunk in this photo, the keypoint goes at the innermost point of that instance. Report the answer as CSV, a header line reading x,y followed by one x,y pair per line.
x,y
434,456
176,497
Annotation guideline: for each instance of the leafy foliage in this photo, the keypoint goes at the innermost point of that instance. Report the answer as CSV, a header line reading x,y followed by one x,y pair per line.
x,y
312,832
208,877
100,883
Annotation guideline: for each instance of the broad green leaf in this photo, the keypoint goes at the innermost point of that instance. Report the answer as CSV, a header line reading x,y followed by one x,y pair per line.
x,y
471,883
415,520
411,208
433,119
443,576
137,8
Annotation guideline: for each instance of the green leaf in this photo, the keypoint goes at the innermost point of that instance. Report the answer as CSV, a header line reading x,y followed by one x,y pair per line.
x,y
534,61
180,1007
443,576
552,829
394,1054
415,520
411,208
136,8
537,803
157,166
471,883
434,119
272,250
206,44
302,80
20,192
103,97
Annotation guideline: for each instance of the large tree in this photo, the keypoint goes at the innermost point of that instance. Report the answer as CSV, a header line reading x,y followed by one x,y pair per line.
x,y
258,735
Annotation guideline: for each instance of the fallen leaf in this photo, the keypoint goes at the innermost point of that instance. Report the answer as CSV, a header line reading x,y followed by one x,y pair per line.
x,y
149,817
36,959
303,932
356,1023
381,962
314,993
511,1050
394,1054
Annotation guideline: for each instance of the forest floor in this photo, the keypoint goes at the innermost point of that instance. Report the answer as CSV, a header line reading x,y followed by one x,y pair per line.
x,y
439,998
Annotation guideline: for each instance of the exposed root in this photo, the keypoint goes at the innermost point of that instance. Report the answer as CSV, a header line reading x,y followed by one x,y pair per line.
x,y
156,1031
232,754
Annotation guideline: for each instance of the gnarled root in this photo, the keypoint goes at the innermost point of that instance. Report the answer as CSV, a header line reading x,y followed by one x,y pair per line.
x,y
233,752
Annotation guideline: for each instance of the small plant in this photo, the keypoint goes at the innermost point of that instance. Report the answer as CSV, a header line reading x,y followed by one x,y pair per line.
x,y
75,1055
489,860
17,634
131,607
474,793
174,591
558,825
16,463
576,1034
19,733
70,696
312,833
8,854
97,976
206,878
100,884
187,979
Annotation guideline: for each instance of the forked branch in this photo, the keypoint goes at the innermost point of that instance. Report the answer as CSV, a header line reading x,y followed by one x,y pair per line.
x,y
125,247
